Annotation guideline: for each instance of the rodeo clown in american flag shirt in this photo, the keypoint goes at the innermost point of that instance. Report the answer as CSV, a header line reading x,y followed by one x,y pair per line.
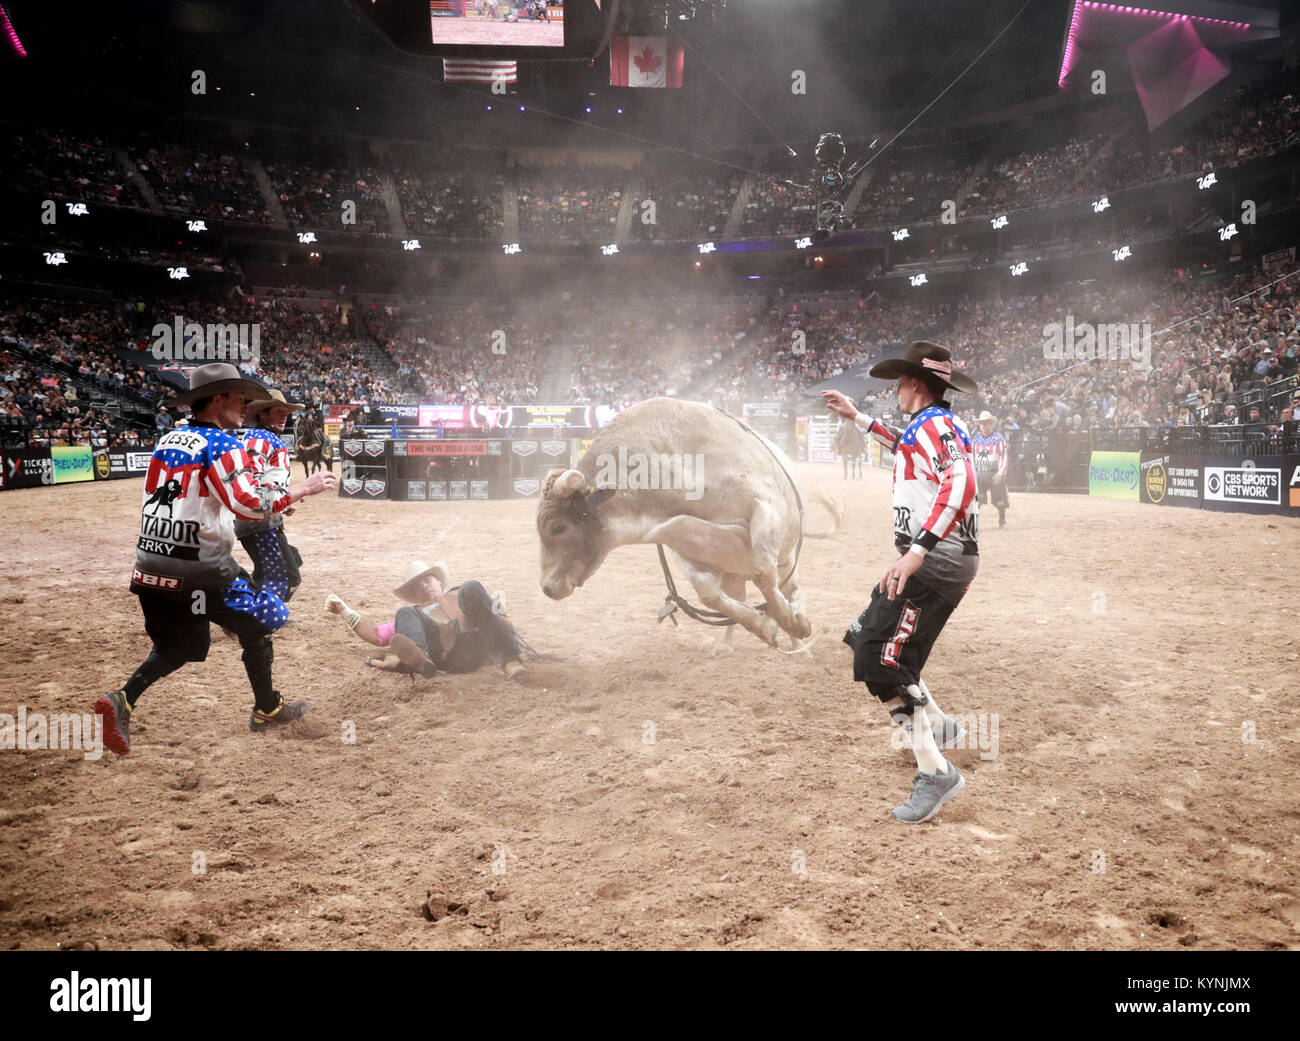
x,y
936,530
275,562
199,480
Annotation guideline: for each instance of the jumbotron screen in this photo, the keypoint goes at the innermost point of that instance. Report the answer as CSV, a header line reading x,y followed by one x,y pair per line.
x,y
498,23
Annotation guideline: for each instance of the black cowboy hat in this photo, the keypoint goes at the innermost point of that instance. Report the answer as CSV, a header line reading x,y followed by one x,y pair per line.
x,y
219,378
923,358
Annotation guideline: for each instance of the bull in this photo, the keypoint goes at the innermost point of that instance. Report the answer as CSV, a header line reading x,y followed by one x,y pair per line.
x,y
730,513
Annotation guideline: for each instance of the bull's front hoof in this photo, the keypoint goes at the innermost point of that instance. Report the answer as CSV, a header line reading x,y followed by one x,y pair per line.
x,y
802,627
768,631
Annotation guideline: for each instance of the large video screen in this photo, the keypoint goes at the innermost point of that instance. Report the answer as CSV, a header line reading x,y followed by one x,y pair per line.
x,y
498,23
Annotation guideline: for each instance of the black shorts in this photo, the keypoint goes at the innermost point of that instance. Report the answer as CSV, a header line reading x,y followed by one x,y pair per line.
x,y
984,483
180,634
892,639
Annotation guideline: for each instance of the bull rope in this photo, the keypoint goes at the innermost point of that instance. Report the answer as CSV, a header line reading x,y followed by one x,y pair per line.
x,y
675,600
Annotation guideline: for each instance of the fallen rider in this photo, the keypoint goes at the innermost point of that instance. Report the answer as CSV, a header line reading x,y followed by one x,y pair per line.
x,y
445,628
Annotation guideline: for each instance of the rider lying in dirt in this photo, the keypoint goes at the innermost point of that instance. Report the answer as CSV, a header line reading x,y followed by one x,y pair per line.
x,y
445,630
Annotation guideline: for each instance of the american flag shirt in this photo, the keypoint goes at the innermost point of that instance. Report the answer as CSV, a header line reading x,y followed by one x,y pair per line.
x,y
272,470
199,480
990,453
935,500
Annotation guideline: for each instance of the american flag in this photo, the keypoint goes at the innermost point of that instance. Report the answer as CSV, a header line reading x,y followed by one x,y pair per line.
x,y
474,70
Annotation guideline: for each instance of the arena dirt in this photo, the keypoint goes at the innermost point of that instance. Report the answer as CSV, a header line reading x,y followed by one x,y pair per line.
x,y
647,793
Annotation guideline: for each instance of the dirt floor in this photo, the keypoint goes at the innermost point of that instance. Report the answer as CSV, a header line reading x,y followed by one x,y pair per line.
x,y
648,793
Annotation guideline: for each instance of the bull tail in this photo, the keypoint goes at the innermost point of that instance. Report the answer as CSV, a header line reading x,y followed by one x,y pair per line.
x,y
833,506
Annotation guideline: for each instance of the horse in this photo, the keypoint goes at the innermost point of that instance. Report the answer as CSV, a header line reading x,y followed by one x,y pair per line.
x,y
850,445
313,448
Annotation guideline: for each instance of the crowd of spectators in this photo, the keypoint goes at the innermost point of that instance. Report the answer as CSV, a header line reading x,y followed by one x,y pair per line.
x,y
467,355
313,196
459,203
570,205
69,166
693,203
201,181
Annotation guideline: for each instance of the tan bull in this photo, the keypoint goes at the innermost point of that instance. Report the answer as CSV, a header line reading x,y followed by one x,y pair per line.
x,y
720,498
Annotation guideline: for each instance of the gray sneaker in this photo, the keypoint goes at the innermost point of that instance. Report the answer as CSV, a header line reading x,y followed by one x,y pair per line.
x,y
950,734
929,793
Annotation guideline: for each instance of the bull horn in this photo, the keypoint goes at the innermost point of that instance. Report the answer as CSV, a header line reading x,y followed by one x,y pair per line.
x,y
570,482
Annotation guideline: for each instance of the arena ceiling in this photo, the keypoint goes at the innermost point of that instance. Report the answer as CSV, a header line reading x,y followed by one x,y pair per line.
x,y
870,66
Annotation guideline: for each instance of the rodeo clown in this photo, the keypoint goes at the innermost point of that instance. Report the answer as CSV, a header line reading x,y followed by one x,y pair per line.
x,y
936,527
991,459
275,563
199,480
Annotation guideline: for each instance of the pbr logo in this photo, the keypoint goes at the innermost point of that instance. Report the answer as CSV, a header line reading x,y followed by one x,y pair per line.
x,y
351,485
527,486
374,448
351,447
906,627
554,447
146,578
524,448
375,488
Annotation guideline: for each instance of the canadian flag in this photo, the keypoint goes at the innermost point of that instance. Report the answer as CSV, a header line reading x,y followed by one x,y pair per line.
x,y
645,61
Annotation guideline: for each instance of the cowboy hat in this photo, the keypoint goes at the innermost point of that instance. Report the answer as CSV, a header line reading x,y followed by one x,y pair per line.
x,y
415,571
986,417
215,378
923,358
276,398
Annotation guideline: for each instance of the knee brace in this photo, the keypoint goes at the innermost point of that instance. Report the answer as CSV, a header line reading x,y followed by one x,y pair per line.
x,y
912,698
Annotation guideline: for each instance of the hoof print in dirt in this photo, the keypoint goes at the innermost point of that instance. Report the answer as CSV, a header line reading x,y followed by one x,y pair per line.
x,y
435,908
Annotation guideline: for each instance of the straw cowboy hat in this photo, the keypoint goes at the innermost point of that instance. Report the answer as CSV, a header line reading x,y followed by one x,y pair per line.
x,y
415,571
986,417
219,377
276,398
923,358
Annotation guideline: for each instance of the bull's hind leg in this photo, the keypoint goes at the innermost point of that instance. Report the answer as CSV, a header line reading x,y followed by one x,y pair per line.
x,y
765,538
709,587
794,594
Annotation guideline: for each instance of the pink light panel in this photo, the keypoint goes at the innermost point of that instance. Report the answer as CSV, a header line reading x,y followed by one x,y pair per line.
x,y
1071,47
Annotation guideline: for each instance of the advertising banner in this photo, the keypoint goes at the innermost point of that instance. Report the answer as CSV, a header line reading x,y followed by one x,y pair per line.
x,y
103,467
408,449
28,467
1114,475
761,408
478,489
1170,480
1291,472
821,438
1250,485
73,464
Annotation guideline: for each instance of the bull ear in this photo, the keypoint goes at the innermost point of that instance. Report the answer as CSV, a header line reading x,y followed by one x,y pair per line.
x,y
561,485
